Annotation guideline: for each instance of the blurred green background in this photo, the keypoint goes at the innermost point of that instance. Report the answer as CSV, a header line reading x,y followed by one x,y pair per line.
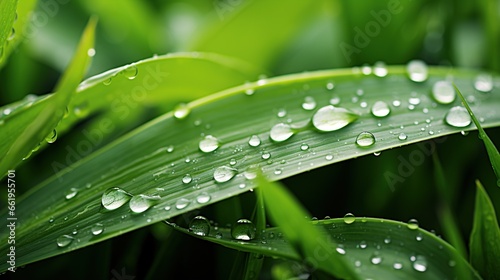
x,y
279,37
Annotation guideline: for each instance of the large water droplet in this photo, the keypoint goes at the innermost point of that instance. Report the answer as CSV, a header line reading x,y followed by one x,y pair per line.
x,y
309,103
443,92
181,111
349,218
458,116
71,193
380,109
375,258
330,118
52,137
243,229
187,179
142,202
254,141
203,198
199,225
114,198
417,70
420,263
224,173
483,83
380,69
130,72
97,229
181,203
209,144
365,139
64,240
281,132
412,224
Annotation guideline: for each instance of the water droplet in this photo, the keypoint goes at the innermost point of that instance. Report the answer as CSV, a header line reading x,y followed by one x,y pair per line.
x,y
12,34
199,225
108,81
254,141
249,92
387,240
187,179
232,161
281,113
417,71
483,83
452,263
51,220
250,174
170,149
114,198
375,258
97,229
380,109
243,229
81,110
309,103
402,136
420,263
335,100
396,103
330,85
419,237
365,139
363,244
412,224
224,173
349,218
458,116
366,70
266,155
397,266
52,137
181,203
278,171
443,92
64,240
304,147
340,249
71,193
209,144
203,198
130,72
330,118
380,69
414,100
142,202
91,52
181,111
281,132
329,157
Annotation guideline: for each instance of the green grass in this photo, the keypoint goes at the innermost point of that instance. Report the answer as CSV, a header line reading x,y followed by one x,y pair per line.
x,y
154,161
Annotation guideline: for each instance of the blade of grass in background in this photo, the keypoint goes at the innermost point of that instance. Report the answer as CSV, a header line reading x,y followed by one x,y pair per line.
x,y
21,133
373,248
7,17
490,147
489,9
173,164
484,245
305,239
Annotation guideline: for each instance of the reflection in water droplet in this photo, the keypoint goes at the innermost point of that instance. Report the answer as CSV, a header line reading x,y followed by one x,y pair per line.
x,y
209,144
114,198
243,229
443,92
224,173
254,141
64,240
402,136
483,83
330,118
203,198
376,258
304,147
71,193
349,218
199,225
309,103
187,179
412,224
458,116
130,72
417,70
281,132
380,109
365,139
266,155
181,111
52,137
420,263
181,203
97,229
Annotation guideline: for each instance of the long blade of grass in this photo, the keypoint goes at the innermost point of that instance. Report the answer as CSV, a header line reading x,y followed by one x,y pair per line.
x,y
156,158
491,149
484,245
21,133
7,17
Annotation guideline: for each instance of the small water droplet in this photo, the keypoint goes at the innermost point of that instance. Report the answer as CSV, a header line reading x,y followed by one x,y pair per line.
x,y
375,258
170,148
329,157
52,137
281,132
108,81
452,263
64,240
387,240
187,179
278,171
304,147
412,224
397,266
209,144
71,193
266,155
51,220
396,103
349,218
243,229
199,225
420,263
281,113
363,244
12,34
366,70
309,103
232,161
335,100
91,52
402,136
419,237
443,92
249,92
417,71
330,118
254,141
365,139
142,202
330,85
81,110
340,249
114,198
224,173
97,229
380,69
181,203
458,116
380,109
413,101
181,111
203,198
130,72
483,83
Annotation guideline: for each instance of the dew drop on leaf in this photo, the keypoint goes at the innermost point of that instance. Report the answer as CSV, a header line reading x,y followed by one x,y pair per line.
x,y
130,72
483,83
199,225
224,173
309,103
365,139
443,92
376,258
254,141
243,229
209,144
97,229
181,111
181,203
64,240
203,198
402,136
380,69
114,198
330,118
71,193
458,116
349,218
281,132
187,179
397,266
304,147
412,224
420,263
142,202
52,137
380,109
417,71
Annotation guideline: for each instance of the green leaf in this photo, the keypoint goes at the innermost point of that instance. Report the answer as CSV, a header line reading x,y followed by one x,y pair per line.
x,y
490,147
373,248
288,214
7,17
23,130
160,153
484,245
